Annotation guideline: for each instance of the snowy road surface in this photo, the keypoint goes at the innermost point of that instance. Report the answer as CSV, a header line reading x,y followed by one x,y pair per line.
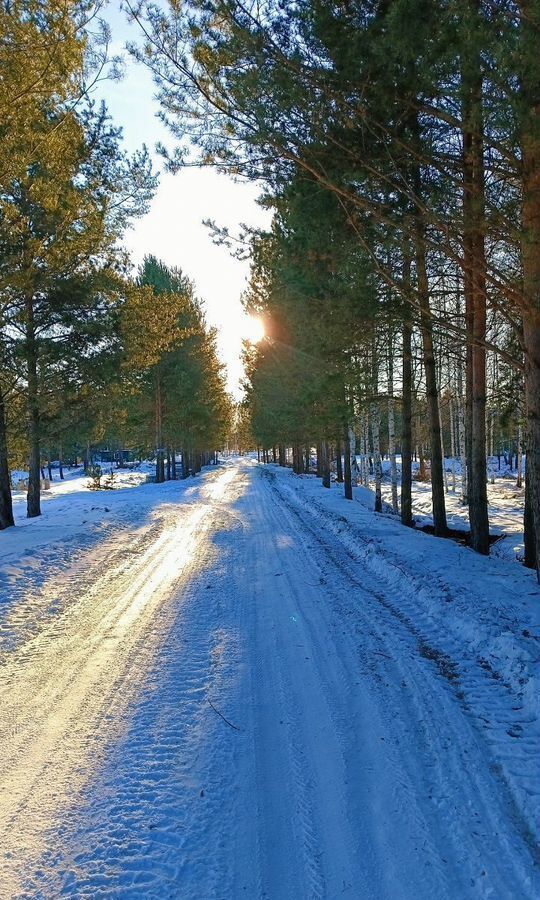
x,y
218,701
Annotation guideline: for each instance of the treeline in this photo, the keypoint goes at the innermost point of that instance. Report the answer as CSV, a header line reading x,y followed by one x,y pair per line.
x,y
87,352
398,144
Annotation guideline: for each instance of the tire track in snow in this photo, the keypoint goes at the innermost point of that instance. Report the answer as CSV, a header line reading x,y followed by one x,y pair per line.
x,y
348,773
466,768
59,690
367,862
486,692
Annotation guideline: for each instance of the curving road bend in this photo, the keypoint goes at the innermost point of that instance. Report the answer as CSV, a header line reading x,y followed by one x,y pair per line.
x,y
226,706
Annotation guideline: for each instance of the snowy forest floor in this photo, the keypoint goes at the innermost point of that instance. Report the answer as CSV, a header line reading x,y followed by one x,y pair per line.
x,y
241,685
505,504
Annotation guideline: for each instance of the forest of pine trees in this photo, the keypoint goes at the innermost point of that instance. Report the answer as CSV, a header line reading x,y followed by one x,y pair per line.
x,y
398,147
90,354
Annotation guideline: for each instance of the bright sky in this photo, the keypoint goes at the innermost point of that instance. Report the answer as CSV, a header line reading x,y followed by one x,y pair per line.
x,y
173,229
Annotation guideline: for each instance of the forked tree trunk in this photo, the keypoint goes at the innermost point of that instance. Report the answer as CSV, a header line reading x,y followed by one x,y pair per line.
x,y
6,502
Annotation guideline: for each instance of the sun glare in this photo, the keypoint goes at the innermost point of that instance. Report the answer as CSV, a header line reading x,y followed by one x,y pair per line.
x,y
252,329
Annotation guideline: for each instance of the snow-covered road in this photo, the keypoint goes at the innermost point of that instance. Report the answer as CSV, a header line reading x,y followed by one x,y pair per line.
x,y
227,704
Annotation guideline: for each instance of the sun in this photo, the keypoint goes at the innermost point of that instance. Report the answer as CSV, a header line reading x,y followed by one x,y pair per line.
x,y
252,329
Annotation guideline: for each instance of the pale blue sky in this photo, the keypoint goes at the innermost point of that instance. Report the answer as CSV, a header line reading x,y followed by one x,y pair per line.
x,y
173,228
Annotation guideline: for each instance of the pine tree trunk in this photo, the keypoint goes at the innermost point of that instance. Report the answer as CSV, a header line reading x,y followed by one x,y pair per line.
x,y
33,504
375,433
347,464
339,462
282,455
463,452
6,503
160,461
406,438
442,451
452,443
325,464
529,533
474,259
174,473
530,147
61,462
519,480
352,453
432,396
392,424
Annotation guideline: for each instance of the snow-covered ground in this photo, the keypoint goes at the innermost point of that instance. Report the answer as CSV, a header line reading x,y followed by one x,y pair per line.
x,y
243,686
505,504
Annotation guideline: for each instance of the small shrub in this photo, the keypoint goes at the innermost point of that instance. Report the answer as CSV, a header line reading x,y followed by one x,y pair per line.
x,y
95,474
110,481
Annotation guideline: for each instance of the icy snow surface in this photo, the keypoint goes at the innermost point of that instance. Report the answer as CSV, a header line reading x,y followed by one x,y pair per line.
x,y
241,685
